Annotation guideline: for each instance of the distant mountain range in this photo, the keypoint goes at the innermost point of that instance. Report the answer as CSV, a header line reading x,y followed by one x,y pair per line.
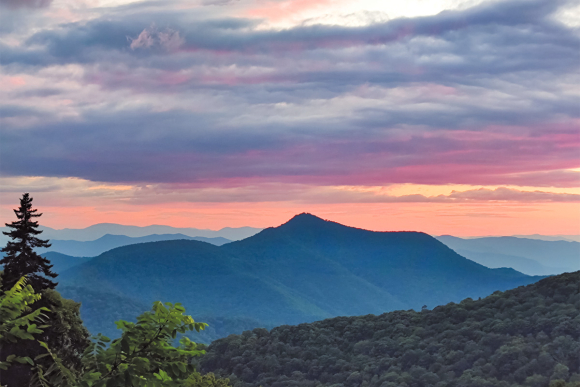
x,y
529,256
567,238
108,242
97,231
304,270
106,236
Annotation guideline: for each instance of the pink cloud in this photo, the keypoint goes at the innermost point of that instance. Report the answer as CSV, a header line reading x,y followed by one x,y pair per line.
x,y
507,194
279,10
16,81
168,39
144,40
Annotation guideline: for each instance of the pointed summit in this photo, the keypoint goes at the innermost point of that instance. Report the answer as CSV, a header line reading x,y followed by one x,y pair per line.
x,y
304,219
309,223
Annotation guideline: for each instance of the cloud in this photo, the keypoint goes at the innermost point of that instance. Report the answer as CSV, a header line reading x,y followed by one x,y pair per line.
x,y
168,39
143,40
262,192
173,146
25,3
481,195
219,2
502,24
506,194
481,96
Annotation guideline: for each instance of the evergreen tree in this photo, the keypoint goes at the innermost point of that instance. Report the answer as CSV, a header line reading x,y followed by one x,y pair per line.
x,y
65,333
20,258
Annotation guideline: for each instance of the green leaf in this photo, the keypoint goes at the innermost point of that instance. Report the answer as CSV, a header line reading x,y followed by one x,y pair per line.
x,y
24,360
125,345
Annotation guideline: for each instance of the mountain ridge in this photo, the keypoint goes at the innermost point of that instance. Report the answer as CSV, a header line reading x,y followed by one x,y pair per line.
x,y
98,230
111,241
547,257
304,270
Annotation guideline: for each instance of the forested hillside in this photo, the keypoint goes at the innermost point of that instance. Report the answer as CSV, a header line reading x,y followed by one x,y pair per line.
x,y
62,262
305,270
529,336
100,309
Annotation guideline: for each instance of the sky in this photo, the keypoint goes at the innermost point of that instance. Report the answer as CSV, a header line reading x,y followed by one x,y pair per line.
x,y
445,116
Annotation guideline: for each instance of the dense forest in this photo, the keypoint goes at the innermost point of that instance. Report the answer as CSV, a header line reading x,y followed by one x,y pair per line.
x,y
529,336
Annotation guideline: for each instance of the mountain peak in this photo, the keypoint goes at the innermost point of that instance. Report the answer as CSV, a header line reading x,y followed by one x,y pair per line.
x,y
305,219
305,215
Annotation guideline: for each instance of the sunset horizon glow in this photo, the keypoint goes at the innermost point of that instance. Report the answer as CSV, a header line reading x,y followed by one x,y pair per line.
x,y
456,117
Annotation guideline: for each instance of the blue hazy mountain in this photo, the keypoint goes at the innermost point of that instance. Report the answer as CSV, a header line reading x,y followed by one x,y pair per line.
x,y
62,262
304,270
98,230
529,256
108,242
568,238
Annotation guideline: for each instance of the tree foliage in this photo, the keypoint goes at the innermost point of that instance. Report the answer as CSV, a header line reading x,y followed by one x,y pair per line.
x,y
144,355
18,322
529,336
20,258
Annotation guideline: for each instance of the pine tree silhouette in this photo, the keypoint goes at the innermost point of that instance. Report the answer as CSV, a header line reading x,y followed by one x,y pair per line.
x,y
20,258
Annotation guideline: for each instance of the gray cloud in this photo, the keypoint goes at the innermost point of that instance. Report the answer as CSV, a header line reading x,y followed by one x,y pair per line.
x,y
517,26
477,96
506,194
25,3
203,149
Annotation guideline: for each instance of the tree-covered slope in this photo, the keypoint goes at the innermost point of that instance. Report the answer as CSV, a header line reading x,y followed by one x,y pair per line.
x,y
96,304
62,262
403,269
529,336
202,277
305,270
